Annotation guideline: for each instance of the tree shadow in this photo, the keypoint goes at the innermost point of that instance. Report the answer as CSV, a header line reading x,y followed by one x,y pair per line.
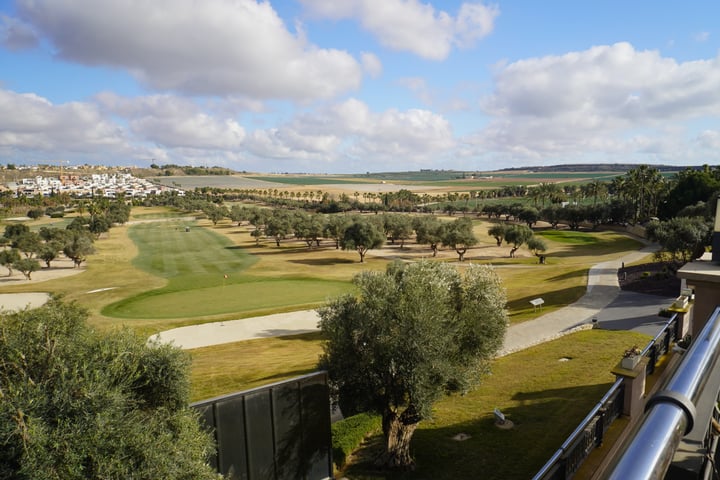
x,y
323,261
541,422
569,275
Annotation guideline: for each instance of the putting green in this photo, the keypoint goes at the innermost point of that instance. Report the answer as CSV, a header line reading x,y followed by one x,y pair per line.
x,y
569,236
205,277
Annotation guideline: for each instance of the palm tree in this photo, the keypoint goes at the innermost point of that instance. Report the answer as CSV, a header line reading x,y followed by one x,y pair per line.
x,y
644,186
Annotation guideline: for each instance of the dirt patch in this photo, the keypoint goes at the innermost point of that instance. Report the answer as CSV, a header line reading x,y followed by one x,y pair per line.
x,y
62,267
656,278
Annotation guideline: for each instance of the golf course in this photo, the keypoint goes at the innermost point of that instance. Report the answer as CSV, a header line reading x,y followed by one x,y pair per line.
x,y
163,270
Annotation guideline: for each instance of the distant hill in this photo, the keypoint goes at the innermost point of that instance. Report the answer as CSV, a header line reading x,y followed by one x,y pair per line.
x,y
594,167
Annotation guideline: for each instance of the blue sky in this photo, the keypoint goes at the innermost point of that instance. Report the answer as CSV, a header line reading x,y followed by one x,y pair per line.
x,y
359,85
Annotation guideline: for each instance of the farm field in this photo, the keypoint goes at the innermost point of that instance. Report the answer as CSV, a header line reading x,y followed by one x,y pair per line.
x,y
416,181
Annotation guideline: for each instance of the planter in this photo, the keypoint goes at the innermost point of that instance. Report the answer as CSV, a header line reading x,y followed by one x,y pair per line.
x,y
630,362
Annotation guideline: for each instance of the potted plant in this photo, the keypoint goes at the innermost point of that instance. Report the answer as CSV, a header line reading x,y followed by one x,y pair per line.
x,y
631,357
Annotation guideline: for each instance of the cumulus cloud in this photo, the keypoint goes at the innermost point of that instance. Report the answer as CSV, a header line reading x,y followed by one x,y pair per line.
x,y
410,25
29,122
594,101
371,64
386,140
16,35
227,47
175,122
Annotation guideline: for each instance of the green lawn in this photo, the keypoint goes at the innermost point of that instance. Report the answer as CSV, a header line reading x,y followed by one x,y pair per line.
x,y
545,396
206,275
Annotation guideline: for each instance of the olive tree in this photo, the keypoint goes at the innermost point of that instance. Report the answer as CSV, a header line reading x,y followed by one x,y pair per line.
x,y
517,235
428,231
459,236
78,246
682,237
407,337
27,266
77,404
362,235
497,231
8,257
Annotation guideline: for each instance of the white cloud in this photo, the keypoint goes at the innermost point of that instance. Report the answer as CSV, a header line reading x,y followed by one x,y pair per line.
x,y
709,139
410,25
595,101
701,37
371,64
175,122
16,35
387,140
418,86
29,122
226,47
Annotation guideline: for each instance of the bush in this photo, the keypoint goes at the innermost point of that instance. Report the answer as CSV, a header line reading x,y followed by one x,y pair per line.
x,y
76,404
347,435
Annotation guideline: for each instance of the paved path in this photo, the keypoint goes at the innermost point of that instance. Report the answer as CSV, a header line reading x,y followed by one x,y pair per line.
x,y
604,300
602,290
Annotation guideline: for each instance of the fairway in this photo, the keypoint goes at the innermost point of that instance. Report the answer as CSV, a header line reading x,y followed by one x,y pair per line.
x,y
569,236
205,274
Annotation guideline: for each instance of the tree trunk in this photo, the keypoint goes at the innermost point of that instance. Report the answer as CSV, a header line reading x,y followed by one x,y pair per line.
x,y
398,431
434,248
461,253
512,252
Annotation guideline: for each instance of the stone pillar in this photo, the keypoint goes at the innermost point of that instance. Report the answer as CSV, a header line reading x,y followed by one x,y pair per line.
x,y
634,381
684,317
703,276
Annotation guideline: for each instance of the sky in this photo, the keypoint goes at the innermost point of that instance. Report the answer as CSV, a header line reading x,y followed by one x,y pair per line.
x,y
355,86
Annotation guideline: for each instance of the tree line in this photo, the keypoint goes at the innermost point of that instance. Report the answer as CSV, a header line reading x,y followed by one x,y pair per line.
x,y
22,248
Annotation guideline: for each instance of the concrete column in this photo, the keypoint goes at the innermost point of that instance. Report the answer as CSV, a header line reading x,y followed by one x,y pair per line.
x,y
634,381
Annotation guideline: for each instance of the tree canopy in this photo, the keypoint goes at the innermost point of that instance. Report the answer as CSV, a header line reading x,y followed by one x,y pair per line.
x,y
410,335
361,235
517,235
77,404
683,237
459,236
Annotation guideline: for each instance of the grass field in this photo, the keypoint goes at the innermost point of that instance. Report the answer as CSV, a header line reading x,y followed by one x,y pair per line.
x,y
552,392
154,276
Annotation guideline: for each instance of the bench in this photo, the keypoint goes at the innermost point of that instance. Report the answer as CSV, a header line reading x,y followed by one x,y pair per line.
x,y
537,302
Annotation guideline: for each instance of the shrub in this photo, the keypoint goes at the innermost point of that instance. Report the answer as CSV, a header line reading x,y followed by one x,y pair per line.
x,y
76,404
347,435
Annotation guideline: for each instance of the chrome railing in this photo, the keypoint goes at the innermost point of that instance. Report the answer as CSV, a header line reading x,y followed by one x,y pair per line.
x,y
671,413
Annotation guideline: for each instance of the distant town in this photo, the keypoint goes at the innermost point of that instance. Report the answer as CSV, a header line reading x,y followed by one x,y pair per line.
x,y
108,185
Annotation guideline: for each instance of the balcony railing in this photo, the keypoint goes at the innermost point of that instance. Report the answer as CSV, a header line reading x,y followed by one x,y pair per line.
x,y
589,435
671,413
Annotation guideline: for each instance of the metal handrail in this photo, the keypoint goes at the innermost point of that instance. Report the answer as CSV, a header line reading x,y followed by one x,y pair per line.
x,y
671,413
574,435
